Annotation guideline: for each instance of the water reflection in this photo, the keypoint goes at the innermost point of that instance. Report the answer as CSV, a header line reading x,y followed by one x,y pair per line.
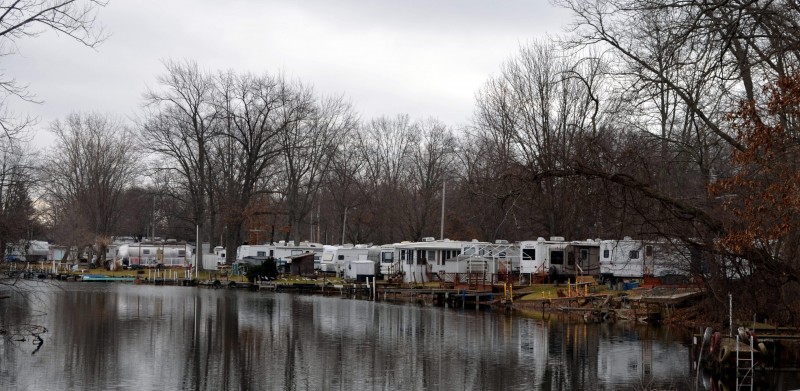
x,y
127,336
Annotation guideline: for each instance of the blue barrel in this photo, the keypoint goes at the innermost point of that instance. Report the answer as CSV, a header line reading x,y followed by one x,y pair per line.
x,y
630,285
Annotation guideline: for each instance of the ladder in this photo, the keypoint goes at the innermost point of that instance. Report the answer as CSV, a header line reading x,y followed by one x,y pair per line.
x,y
744,366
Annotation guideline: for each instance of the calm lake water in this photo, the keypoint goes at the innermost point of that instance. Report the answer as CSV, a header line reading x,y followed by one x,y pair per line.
x,y
117,336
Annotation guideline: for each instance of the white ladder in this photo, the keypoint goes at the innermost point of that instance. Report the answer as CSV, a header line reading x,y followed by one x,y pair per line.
x,y
744,366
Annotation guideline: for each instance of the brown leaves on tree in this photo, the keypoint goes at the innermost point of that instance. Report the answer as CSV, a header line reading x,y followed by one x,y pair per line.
x,y
763,196
762,201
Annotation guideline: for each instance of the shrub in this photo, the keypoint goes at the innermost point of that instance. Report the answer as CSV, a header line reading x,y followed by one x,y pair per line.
x,y
268,269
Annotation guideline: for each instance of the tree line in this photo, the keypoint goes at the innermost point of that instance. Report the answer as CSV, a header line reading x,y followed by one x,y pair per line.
x,y
654,119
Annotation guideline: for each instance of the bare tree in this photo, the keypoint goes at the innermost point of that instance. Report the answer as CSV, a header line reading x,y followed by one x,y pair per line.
x,y
344,193
308,147
527,121
257,112
679,69
179,128
88,172
428,168
28,19
17,215
384,147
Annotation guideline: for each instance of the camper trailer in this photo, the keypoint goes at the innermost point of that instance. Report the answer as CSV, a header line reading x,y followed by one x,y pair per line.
x,y
389,263
537,257
483,262
419,260
636,259
27,251
151,254
335,258
282,252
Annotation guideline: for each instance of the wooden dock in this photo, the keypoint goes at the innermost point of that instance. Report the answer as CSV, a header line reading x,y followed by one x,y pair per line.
x,y
456,298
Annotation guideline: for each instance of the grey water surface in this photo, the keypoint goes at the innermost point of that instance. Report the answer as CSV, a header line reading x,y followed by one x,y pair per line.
x,y
106,336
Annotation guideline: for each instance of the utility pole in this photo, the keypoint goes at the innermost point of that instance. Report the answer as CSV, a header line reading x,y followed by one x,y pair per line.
x,y
441,228
344,224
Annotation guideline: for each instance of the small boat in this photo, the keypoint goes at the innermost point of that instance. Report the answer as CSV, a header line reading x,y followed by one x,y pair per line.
x,y
105,278
722,352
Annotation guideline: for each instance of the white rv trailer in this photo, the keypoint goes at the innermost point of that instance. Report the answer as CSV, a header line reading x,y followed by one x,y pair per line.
x,y
156,253
27,251
419,260
389,263
581,258
335,258
488,260
328,262
538,256
635,259
281,251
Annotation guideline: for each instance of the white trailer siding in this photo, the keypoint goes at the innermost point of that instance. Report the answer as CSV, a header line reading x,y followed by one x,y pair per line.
x,y
630,258
537,257
389,263
282,252
419,260
334,258
622,259
359,270
151,254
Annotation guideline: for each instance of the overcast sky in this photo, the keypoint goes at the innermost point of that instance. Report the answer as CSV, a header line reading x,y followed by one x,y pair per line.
x,y
420,57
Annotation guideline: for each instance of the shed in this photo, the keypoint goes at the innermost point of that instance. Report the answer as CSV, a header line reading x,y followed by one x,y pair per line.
x,y
301,264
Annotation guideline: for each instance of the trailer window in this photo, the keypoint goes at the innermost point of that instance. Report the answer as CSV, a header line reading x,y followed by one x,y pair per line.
x,y
261,253
634,254
448,254
340,257
388,257
557,257
606,253
181,253
648,251
529,254
146,252
407,255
